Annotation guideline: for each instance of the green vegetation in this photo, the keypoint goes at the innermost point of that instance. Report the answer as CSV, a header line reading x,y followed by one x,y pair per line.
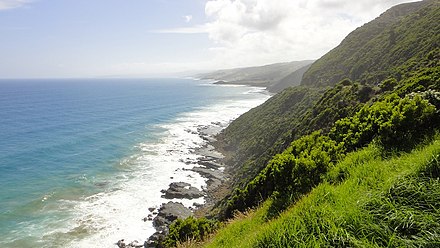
x,y
355,163
390,201
260,133
394,44
393,122
256,136
189,229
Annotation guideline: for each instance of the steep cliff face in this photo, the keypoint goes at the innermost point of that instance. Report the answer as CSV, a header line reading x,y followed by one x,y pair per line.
x,y
398,39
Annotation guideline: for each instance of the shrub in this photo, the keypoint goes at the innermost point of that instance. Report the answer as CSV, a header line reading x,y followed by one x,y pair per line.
x,y
189,229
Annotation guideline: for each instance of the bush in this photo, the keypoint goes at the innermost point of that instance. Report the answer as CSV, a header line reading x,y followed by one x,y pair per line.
x,y
395,122
189,229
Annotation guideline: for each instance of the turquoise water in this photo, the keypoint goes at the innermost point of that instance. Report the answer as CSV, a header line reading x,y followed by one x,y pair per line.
x,y
81,160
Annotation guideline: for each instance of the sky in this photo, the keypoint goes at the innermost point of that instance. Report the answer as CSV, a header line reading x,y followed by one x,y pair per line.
x,y
149,38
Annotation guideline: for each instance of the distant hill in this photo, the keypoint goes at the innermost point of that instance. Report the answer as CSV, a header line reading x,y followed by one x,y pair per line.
x,y
399,38
293,79
274,76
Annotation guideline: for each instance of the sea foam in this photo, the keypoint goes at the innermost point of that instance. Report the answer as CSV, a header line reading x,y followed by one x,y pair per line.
x,y
117,213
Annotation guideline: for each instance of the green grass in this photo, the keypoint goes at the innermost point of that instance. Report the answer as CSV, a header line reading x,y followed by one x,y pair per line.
x,y
365,201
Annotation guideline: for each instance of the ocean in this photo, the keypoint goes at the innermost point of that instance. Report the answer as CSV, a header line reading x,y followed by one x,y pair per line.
x,y
82,160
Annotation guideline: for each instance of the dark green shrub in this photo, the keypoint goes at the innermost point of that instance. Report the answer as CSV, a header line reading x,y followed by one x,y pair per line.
x,y
189,229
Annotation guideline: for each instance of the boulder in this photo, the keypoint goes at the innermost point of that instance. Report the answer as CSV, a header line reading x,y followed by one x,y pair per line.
x,y
169,212
182,190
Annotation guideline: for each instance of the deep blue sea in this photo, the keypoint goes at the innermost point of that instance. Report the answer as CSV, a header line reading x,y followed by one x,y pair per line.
x,y
81,160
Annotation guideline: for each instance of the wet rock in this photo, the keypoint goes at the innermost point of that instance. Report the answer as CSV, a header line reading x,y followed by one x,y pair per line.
x,y
197,205
210,174
169,212
154,240
121,244
135,244
148,218
211,164
151,209
182,190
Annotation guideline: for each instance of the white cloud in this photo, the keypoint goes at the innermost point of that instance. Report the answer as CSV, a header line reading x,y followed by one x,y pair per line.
x,y
199,29
10,4
188,18
249,32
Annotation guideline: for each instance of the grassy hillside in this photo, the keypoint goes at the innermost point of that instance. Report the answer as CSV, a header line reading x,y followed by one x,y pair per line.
x,y
266,130
381,201
353,164
390,46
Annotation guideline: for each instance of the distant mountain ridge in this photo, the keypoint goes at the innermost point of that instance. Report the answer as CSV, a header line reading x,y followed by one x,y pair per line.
x,y
275,77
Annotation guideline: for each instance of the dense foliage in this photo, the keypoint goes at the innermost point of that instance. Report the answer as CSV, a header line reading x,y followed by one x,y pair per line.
x,y
257,135
393,122
189,229
382,203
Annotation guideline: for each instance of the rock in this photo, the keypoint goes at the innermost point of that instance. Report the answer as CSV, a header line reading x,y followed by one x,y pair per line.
x,y
211,164
208,173
208,152
182,190
197,205
154,240
135,244
169,212
151,209
148,218
121,244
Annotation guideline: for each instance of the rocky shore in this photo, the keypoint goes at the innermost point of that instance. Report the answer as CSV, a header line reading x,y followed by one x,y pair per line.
x,y
209,166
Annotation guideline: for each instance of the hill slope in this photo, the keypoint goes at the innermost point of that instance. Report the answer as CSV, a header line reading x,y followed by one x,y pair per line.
x,y
392,44
382,202
256,136
355,163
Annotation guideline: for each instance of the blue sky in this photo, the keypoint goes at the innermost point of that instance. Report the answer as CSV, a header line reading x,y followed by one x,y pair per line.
x,y
94,38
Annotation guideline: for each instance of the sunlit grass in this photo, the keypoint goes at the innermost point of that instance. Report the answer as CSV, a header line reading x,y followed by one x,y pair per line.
x,y
365,201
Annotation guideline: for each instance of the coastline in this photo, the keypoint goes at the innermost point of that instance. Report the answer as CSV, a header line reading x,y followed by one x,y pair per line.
x,y
209,166
183,199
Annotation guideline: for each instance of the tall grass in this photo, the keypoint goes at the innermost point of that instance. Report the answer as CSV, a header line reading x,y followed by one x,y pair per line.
x,y
365,201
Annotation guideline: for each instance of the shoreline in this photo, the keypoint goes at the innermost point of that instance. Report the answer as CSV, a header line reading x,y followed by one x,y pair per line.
x,y
209,166
204,160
